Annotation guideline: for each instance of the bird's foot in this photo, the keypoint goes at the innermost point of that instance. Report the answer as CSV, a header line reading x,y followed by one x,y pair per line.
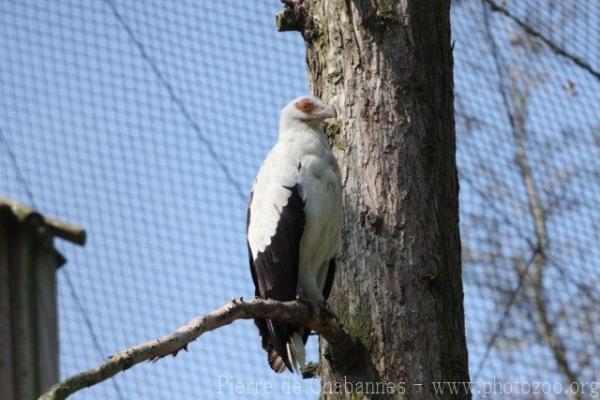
x,y
301,296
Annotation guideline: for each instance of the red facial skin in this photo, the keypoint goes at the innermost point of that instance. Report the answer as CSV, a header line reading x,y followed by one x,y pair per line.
x,y
305,105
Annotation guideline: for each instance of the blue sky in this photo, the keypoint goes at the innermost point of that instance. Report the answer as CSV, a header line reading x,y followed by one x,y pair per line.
x,y
103,145
153,148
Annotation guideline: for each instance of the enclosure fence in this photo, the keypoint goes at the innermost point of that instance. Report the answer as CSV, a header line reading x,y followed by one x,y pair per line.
x,y
145,121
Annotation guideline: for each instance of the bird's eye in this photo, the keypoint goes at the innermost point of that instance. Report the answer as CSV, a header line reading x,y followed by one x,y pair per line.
x,y
305,105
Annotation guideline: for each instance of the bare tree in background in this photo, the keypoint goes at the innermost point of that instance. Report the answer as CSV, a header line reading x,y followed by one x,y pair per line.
x,y
532,285
387,66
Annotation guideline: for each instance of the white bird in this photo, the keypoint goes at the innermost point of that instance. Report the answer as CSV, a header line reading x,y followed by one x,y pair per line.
x,y
294,224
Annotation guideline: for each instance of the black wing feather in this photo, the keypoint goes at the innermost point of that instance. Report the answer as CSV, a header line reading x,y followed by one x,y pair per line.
x,y
275,276
329,279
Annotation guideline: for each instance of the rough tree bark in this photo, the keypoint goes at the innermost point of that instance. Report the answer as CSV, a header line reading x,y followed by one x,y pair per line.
x,y
387,67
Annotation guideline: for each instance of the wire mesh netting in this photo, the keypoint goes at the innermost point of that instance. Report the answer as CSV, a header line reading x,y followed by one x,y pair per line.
x,y
528,126
145,122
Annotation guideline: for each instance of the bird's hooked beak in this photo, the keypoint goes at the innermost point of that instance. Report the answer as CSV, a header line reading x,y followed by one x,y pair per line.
x,y
327,112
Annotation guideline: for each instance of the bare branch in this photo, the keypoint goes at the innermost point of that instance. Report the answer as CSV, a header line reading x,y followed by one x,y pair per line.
x,y
313,316
535,33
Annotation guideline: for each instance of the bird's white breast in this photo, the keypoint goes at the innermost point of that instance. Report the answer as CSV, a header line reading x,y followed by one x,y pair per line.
x,y
323,209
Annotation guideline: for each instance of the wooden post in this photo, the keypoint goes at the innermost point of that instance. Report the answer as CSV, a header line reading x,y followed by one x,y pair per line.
x,y
28,303
21,266
6,352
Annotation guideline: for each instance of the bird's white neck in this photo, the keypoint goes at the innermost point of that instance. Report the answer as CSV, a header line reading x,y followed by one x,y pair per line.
x,y
292,128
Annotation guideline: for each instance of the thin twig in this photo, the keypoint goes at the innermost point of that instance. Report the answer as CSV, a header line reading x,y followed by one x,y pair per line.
x,y
537,34
312,316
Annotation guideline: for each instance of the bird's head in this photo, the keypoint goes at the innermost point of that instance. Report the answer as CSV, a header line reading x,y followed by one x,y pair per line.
x,y
308,109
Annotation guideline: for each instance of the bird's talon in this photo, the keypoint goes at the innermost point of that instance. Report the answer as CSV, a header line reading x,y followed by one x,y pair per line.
x,y
302,297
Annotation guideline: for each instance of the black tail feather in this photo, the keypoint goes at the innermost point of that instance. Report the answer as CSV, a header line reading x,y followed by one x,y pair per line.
x,y
274,338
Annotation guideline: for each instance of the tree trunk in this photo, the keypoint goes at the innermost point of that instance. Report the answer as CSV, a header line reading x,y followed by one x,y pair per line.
x,y
386,65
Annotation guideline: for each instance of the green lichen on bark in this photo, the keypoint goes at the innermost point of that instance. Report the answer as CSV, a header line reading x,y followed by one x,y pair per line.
x,y
357,319
334,136
387,17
